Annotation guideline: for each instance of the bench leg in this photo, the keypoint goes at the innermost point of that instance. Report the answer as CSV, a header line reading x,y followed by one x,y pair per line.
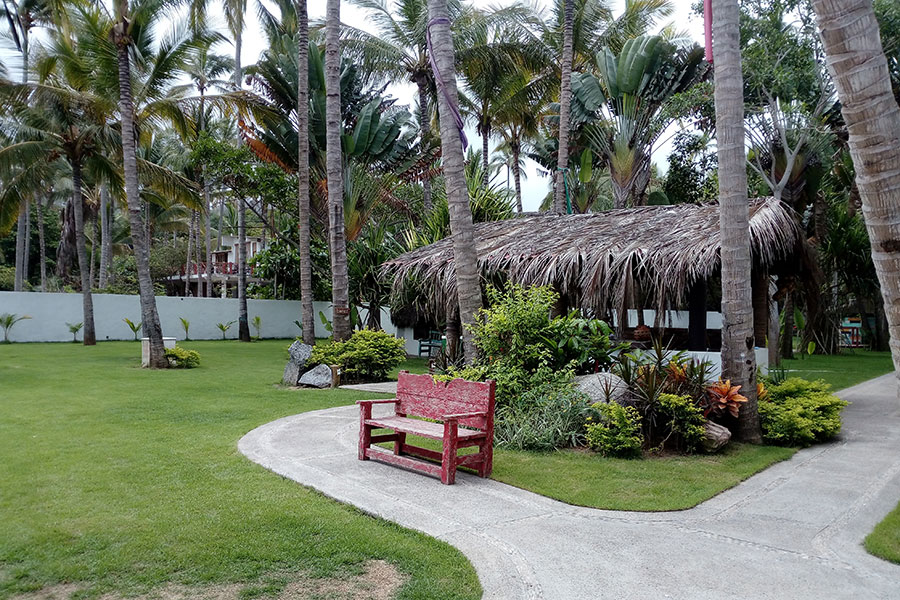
x,y
486,448
398,443
365,432
448,458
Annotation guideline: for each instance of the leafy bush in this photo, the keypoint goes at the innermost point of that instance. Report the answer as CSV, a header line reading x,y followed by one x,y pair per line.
x,y
522,348
181,358
7,279
367,356
797,412
615,430
685,421
542,419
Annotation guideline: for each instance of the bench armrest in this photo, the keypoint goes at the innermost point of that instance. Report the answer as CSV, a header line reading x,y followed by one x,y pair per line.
x,y
386,401
464,415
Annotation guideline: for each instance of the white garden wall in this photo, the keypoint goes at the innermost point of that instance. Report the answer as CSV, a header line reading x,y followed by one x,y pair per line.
x,y
50,312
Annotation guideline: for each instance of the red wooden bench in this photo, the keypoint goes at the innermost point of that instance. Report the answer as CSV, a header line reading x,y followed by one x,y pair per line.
x,y
465,410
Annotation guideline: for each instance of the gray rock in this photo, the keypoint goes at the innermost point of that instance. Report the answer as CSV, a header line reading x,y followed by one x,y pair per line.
x,y
319,376
299,354
602,387
715,437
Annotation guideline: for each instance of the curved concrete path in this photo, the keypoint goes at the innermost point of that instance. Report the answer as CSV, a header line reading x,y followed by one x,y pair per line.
x,y
793,531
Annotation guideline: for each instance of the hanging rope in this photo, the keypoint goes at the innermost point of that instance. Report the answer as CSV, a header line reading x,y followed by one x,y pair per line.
x,y
565,171
439,80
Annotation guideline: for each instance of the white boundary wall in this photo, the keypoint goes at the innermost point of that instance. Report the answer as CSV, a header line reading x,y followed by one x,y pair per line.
x,y
50,312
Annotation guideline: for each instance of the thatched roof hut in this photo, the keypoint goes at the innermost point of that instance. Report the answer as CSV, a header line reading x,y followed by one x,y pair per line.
x,y
593,260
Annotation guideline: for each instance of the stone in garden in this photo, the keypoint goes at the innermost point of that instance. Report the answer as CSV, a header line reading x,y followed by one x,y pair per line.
x,y
319,376
715,437
602,387
299,354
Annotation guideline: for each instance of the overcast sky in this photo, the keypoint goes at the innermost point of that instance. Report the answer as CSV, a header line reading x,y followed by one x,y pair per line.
x,y
534,188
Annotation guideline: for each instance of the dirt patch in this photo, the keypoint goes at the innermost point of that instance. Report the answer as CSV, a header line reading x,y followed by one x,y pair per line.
x,y
380,580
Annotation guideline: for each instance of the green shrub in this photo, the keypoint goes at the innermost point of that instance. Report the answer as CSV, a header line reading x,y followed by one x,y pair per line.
x,y
180,358
543,419
7,279
522,348
367,356
615,430
685,421
797,412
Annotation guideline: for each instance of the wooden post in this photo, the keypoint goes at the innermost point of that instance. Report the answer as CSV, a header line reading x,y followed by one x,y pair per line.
x,y
448,458
365,434
697,316
760,283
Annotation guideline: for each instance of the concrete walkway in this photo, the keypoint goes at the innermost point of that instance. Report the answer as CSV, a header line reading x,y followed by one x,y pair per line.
x,y
791,532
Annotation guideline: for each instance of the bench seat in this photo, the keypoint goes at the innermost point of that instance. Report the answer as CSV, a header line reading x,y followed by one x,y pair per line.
x,y
426,429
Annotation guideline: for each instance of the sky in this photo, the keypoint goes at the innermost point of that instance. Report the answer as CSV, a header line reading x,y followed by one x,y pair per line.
x,y
534,187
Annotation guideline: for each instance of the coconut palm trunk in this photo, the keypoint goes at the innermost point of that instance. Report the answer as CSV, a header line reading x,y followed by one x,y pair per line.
x,y
738,358
90,337
42,244
517,175
468,285
565,103
340,285
856,59
307,318
243,318
187,261
20,275
485,156
149,314
105,246
424,134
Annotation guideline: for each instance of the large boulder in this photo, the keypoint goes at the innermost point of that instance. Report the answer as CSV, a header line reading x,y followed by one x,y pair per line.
x,y
602,387
319,376
715,436
299,354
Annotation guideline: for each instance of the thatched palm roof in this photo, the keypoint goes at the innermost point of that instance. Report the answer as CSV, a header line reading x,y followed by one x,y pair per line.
x,y
593,258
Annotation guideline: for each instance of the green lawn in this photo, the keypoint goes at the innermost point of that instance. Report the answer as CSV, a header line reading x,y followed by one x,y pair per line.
x,y
884,541
841,370
122,479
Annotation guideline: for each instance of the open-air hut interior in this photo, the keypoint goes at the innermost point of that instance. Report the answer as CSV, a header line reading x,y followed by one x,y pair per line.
x,y
655,257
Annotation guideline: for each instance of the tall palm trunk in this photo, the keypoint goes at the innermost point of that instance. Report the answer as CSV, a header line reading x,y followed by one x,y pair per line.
x,y
187,261
517,175
95,235
42,243
208,239
20,275
243,318
105,242
485,158
468,285
307,319
26,250
565,102
738,358
149,315
855,57
424,134
340,285
90,337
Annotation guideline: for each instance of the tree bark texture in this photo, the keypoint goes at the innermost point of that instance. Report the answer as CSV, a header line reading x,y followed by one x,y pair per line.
x,y
468,282
424,135
565,102
187,261
307,316
19,281
149,314
856,60
89,337
42,244
738,358
340,285
105,245
517,176
243,318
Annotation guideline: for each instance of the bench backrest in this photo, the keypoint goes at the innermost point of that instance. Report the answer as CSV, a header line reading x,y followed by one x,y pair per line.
x,y
422,396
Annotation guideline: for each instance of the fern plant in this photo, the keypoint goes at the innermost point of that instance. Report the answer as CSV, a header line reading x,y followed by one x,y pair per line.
x,y
7,320
134,327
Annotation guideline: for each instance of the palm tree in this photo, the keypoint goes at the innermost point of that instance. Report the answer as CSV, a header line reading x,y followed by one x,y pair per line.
x,y
468,286
334,159
738,358
303,206
518,120
122,32
856,59
565,103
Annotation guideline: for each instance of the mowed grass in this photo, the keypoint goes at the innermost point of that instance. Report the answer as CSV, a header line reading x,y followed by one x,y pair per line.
x,y
841,370
123,479
884,541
